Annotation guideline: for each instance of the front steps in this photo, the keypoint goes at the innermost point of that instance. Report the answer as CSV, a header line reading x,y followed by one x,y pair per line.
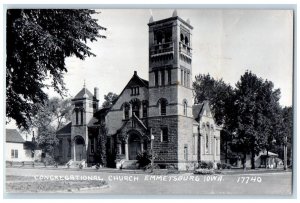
x,y
128,164
76,164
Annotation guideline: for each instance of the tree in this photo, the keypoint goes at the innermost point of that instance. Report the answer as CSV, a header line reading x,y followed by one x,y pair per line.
x,y
255,107
217,92
109,98
38,41
51,116
220,96
283,128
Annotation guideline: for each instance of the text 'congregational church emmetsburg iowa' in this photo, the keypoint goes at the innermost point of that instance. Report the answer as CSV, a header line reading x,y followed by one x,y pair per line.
x,y
183,133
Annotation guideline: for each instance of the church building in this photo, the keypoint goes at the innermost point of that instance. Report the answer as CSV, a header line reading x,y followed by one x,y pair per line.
x,y
157,115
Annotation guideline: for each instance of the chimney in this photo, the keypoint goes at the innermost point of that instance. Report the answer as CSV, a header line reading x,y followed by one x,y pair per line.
x,y
135,73
96,93
33,138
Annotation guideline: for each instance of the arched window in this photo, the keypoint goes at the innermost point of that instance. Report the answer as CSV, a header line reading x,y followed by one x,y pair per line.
x,y
207,138
145,109
159,37
76,115
206,143
126,111
186,40
81,116
163,107
185,108
136,107
181,37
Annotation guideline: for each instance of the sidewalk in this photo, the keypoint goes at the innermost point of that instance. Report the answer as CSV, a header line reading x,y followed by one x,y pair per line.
x,y
254,171
156,171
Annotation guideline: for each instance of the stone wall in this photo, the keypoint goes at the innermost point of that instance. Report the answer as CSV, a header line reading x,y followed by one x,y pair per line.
x,y
166,152
185,143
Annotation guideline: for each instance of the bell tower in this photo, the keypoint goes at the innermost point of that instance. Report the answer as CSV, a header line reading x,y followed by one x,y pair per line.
x,y
170,88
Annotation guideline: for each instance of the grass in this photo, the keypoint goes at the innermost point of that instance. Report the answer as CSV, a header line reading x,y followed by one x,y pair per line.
x,y
31,185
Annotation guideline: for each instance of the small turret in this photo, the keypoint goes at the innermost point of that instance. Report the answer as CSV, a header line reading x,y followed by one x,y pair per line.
x,y
151,19
174,13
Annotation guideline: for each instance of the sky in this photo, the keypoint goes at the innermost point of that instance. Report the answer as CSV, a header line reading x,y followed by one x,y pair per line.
x,y
225,44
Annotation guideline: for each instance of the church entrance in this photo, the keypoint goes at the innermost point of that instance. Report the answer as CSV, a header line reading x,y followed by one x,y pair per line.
x,y
134,145
79,148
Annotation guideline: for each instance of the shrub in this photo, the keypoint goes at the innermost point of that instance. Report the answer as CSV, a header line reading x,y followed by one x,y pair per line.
x,y
48,160
149,167
143,159
80,166
203,164
206,165
219,166
226,166
203,171
210,165
97,166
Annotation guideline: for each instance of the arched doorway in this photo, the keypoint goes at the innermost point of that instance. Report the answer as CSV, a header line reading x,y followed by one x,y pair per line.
x,y
134,145
79,148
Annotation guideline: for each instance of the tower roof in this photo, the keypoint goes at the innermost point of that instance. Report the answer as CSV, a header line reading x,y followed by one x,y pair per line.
x,y
173,18
84,94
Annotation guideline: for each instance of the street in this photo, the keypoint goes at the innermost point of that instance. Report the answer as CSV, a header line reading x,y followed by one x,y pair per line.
x,y
273,183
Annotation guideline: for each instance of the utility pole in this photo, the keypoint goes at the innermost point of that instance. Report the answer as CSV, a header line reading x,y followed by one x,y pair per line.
x,y
152,151
285,153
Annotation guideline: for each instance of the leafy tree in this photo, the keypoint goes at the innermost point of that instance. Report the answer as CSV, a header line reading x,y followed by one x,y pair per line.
x,y
250,115
109,98
54,112
47,140
100,155
217,92
255,102
283,128
51,116
38,41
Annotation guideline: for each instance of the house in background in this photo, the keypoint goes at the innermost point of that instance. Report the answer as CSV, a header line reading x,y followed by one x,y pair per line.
x,y
265,160
19,150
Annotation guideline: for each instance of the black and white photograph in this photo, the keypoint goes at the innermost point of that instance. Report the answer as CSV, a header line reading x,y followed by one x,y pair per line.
x,y
149,101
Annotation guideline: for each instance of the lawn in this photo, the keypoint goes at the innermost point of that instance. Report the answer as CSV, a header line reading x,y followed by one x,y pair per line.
x,y
28,184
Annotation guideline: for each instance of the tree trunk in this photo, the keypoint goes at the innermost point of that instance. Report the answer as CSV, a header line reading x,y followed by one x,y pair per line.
x,y
226,152
252,159
244,160
267,159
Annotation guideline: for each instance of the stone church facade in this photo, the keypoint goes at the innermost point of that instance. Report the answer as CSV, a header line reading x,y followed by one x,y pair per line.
x,y
157,115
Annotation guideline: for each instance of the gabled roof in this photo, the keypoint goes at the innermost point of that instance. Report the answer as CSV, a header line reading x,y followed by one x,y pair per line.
x,y
12,135
65,129
197,108
84,93
101,112
136,80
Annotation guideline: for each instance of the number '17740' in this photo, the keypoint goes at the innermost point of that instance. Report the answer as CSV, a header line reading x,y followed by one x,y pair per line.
x,y
248,179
